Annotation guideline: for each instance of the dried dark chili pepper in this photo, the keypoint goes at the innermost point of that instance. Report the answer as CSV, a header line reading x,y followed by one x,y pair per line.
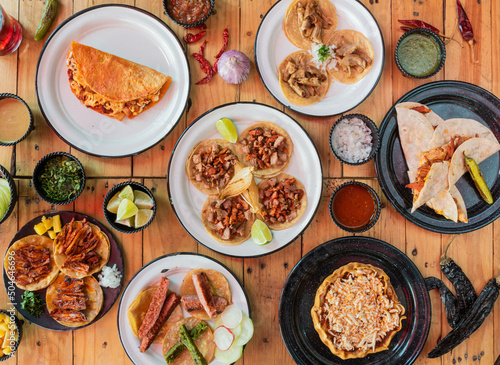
x,y
466,29
207,78
225,36
191,38
405,29
204,64
466,294
202,49
470,323
414,23
450,303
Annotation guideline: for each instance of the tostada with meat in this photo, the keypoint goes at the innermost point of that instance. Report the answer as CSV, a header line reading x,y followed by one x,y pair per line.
x,y
81,249
265,146
74,302
30,263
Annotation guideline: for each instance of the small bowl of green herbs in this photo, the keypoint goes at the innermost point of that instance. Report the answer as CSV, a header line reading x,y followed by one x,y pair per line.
x,y
59,178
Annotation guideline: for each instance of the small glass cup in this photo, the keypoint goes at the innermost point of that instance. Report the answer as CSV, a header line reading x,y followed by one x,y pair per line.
x,y
11,33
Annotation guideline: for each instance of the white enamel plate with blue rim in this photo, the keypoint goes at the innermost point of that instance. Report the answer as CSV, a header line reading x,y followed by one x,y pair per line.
x,y
187,201
272,47
129,33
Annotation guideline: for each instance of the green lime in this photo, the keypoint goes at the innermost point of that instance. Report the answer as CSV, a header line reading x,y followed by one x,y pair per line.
x,y
113,203
127,193
142,217
226,128
126,209
261,234
142,200
129,222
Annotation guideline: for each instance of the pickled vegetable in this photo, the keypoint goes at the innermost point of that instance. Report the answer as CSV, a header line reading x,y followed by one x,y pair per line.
x,y
48,16
477,177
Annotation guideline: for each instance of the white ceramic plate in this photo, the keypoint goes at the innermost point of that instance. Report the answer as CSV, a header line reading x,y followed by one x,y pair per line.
x,y
272,46
127,32
174,266
187,201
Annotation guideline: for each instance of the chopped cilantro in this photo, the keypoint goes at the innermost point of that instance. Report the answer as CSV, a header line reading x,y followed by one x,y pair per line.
x,y
323,53
32,303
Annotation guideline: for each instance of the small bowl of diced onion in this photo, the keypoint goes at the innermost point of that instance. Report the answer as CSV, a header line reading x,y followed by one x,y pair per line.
x,y
354,139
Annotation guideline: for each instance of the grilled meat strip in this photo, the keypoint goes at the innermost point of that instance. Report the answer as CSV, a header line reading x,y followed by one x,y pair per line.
x,y
192,303
214,166
31,263
155,308
70,300
229,216
170,304
68,315
204,292
281,200
265,148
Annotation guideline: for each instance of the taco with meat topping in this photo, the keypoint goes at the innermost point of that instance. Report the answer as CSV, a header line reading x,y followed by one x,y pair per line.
x,y
309,21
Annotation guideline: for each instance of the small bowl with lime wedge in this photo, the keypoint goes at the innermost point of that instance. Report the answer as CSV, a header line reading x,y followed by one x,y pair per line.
x,y
8,194
129,207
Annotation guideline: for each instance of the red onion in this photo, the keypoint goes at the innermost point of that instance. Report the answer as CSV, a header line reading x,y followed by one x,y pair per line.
x,y
233,67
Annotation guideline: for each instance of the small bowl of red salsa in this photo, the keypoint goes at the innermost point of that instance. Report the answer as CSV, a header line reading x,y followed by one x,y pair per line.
x,y
355,207
188,13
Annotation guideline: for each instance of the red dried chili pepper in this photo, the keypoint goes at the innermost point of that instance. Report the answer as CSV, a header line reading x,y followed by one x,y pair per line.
x,y
207,78
202,49
466,28
419,24
406,29
225,36
201,26
204,64
191,38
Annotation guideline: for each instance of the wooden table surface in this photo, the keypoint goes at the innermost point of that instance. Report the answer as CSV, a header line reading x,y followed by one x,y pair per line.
x,y
478,253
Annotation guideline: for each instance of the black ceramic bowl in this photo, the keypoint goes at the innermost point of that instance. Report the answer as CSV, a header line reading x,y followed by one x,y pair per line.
x,y
38,170
111,217
433,37
4,174
19,329
30,127
374,217
201,21
375,139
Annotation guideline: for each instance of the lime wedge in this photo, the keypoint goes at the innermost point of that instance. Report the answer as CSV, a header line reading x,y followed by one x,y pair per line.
x,y
113,203
226,128
142,200
127,193
126,209
261,234
5,183
142,217
129,222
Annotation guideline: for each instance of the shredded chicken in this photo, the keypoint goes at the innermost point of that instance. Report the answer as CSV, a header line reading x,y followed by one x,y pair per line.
x,y
70,300
312,21
229,217
31,264
304,79
280,200
213,166
350,58
264,148
357,312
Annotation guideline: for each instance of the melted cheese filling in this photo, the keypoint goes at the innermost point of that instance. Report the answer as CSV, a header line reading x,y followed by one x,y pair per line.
x,y
356,311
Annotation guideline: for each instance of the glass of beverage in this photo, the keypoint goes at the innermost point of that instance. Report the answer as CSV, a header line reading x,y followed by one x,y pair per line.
x,y
11,33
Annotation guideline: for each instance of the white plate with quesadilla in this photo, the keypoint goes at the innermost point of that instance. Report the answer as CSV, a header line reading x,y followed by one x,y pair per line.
x,y
131,34
456,109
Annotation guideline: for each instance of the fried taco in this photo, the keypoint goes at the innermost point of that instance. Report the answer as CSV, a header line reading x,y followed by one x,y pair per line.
x,y
210,287
460,127
111,85
353,58
477,148
204,343
301,81
74,302
351,331
30,263
139,307
309,21
450,204
265,146
211,164
283,201
228,221
81,249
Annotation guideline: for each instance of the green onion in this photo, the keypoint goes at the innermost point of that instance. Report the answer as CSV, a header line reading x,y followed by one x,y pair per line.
x,y
323,53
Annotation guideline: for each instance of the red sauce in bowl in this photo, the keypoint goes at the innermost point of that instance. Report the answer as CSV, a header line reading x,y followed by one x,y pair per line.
x,y
353,206
188,11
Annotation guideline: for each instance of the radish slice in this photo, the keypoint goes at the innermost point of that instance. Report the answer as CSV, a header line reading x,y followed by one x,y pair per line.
x,y
232,316
223,338
229,356
245,330
218,323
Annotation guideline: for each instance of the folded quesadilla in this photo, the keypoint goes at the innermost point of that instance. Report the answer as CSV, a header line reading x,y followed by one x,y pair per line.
x,y
111,85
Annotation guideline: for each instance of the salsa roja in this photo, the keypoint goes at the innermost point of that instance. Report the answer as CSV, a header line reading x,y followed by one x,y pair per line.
x,y
353,206
188,11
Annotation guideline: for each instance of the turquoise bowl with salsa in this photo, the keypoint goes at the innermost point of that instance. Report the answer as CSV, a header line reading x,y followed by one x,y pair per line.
x,y
188,13
420,53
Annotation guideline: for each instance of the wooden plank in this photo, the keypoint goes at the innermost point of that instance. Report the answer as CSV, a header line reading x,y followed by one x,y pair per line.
x,y
42,140
40,346
92,344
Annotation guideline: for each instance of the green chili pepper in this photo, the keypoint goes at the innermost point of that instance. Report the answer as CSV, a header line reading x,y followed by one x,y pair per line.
x,y
186,339
477,177
48,16
177,349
